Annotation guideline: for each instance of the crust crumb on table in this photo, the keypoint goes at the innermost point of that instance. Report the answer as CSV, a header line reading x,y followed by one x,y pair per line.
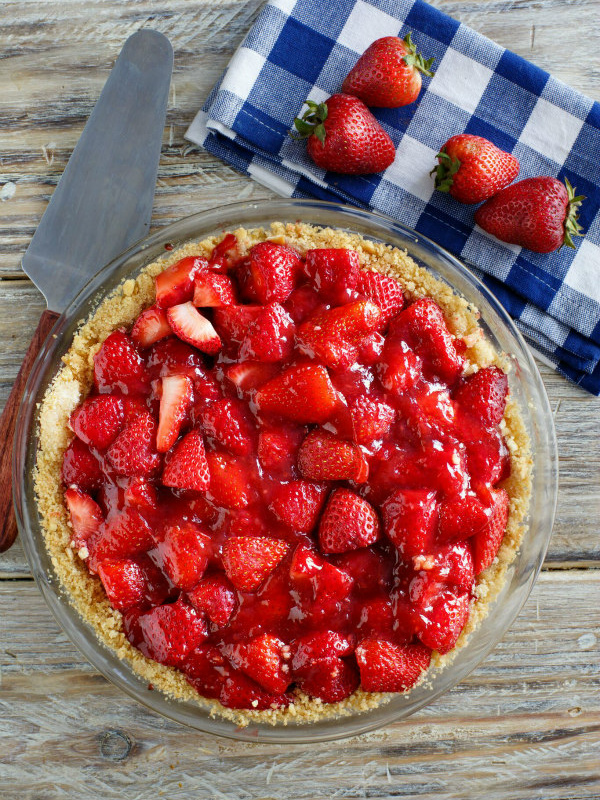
x,y
75,379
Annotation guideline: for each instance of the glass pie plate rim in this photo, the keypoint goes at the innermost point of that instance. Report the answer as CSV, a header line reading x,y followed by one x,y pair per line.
x,y
526,385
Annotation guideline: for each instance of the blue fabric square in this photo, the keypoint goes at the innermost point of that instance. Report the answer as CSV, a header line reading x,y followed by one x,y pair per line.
x,y
506,106
443,229
420,19
301,50
262,37
329,21
584,159
520,72
479,127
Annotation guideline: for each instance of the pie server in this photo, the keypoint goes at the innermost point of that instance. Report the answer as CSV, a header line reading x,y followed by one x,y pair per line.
x,y
101,206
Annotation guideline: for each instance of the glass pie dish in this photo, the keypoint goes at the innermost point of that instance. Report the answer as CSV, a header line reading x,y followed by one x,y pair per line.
x,y
525,385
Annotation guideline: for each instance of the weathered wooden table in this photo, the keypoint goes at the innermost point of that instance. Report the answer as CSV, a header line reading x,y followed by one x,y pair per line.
x,y
527,722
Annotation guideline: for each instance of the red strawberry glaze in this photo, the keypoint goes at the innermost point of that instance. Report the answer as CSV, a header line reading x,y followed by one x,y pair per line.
x,y
289,496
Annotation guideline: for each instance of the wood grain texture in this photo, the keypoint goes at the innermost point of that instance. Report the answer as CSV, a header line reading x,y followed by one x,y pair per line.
x,y
526,724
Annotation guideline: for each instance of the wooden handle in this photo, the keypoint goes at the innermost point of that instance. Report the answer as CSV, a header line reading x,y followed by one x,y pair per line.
x,y
8,525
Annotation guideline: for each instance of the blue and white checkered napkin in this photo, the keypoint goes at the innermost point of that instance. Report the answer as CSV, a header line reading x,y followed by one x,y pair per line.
x,y
301,49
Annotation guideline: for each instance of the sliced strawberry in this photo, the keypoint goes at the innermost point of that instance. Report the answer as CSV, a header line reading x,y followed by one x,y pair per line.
x,y
85,515
133,452
206,669
387,667
317,646
330,679
302,393
123,581
261,658
370,571
372,419
298,504
170,632
123,535
423,327
119,366
348,523
483,394
278,448
226,423
212,290
323,457
488,457
224,254
151,326
399,367
461,517
175,284
241,692
386,292
441,624
80,466
248,560
302,302
98,420
451,565
410,519
190,326
187,467
311,572
173,357
175,402
141,493
370,349
273,269
270,337
183,552
488,540
232,322
334,273
376,618
250,375
215,597
331,336
229,481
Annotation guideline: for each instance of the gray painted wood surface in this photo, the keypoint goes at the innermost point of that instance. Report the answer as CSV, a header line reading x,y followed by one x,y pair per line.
x,y
526,723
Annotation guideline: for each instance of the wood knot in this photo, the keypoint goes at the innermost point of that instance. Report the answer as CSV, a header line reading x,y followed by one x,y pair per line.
x,y
115,745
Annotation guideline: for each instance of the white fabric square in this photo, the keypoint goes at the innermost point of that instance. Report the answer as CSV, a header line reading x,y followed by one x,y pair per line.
x,y
271,181
460,80
551,131
242,73
366,24
583,272
410,168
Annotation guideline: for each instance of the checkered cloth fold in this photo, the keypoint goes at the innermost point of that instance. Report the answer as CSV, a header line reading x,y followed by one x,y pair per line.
x,y
300,49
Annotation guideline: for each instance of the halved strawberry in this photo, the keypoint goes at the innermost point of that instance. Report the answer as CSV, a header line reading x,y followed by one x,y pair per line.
x,y
302,393
232,322
330,679
273,269
206,668
176,283
278,448
238,691
133,452
223,256
119,366
270,337
85,515
262,659
317,646
386,292
151,326
451,565
410,519
123,581
229,482
333,272
80,466
190,326
298,504
376,618
399,367
302,302
173,357
141,493
388,667
316,576
175,402
370,571
483,394
98,420
423,327
372,419
187,468
215,597
488,540
323,457
461,517
123,535
370,349
331,336
226,423
183,551
440,624
250,375
349,522
248,560
170,632
212,290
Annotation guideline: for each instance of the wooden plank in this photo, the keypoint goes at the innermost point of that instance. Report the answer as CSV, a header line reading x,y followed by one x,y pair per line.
x,y
525,724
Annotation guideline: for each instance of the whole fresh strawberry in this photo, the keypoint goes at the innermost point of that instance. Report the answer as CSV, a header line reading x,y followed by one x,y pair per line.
x,y
472,169
388,74
537,213
343,136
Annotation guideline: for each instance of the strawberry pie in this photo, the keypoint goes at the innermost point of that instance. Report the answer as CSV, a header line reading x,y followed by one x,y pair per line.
x,y
281,473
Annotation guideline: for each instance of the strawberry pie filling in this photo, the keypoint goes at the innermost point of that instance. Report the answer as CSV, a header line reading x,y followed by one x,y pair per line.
x,y
285,480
